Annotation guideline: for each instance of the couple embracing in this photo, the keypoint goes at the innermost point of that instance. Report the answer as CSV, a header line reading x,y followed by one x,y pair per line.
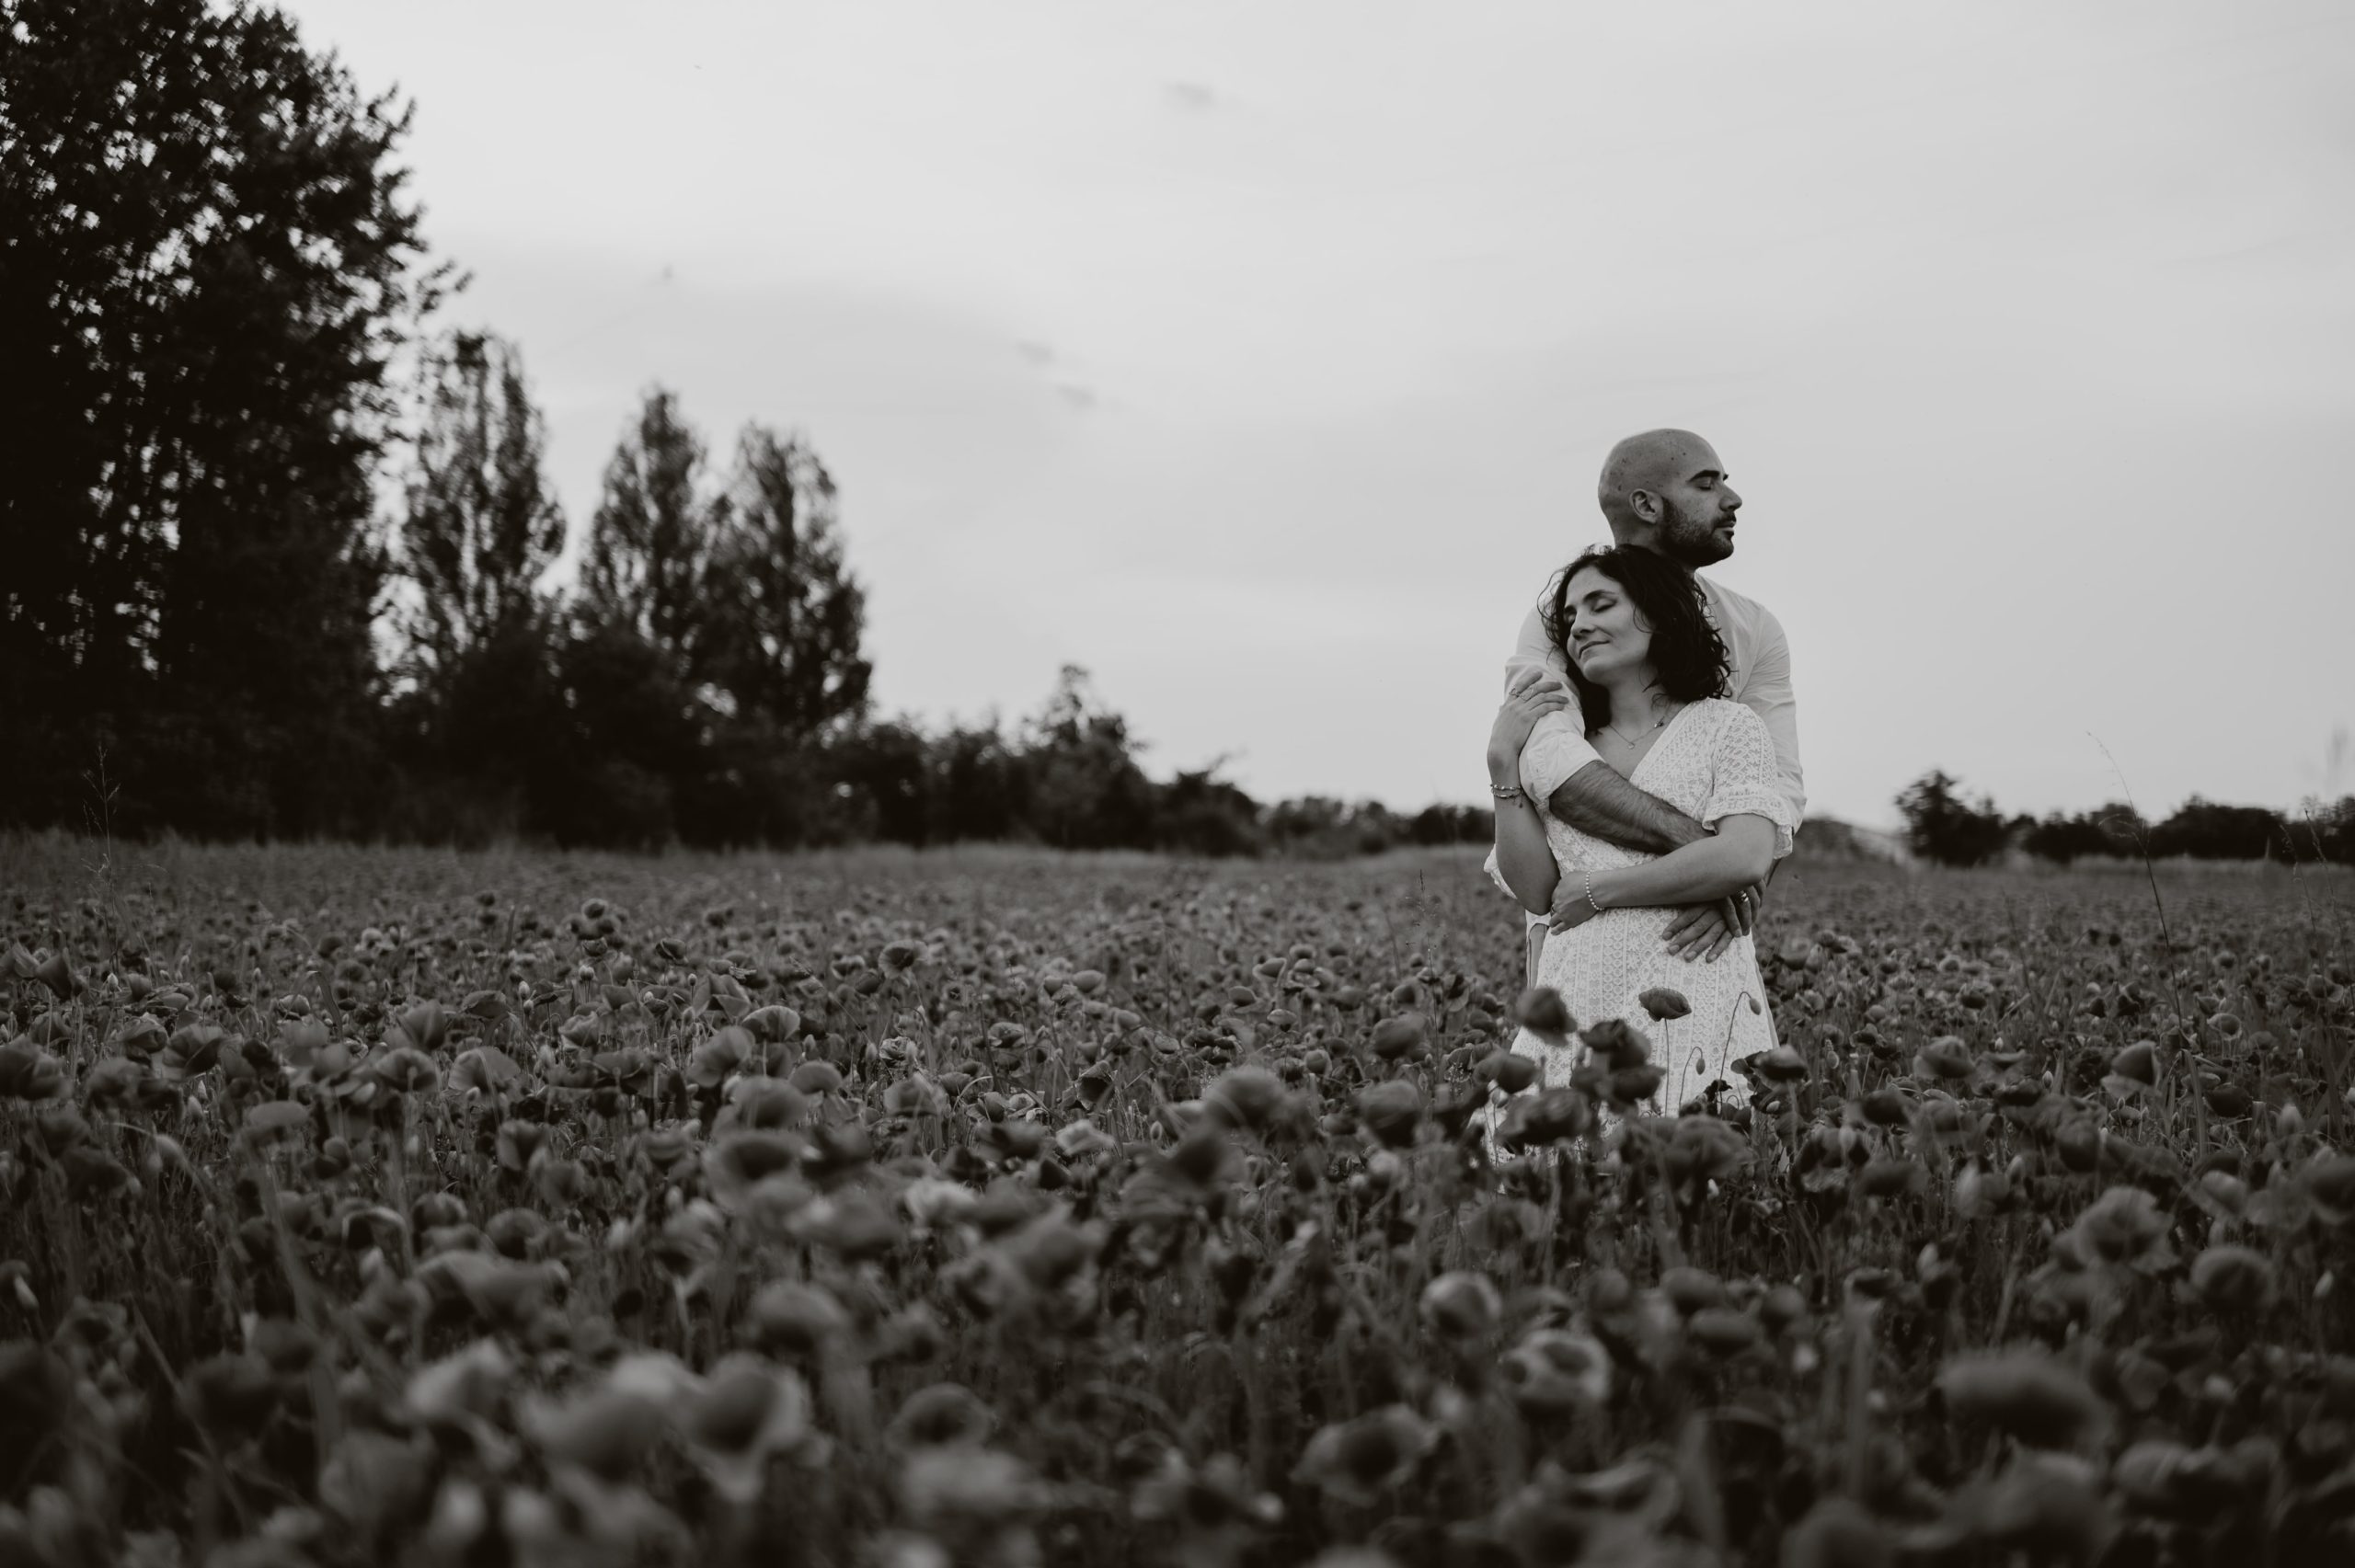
x,y
1646,771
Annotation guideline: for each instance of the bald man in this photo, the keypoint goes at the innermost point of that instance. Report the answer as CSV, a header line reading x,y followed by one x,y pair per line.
x,y
1666,491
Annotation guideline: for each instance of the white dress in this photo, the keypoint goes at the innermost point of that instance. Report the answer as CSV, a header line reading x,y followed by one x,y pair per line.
x,y
1714,759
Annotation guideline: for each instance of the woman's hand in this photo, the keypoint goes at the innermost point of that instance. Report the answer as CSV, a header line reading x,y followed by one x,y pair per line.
x,y
1570,908
1533,694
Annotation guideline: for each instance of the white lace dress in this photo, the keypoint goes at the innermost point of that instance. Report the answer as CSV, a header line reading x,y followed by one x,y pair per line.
x,y
1713,760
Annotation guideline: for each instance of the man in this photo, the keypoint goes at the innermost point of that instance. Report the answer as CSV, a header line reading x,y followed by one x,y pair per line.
x,y
1666,491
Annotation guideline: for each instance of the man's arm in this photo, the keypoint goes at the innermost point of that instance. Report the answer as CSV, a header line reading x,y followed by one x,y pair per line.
x,y
1769,694
1576,783
1596,800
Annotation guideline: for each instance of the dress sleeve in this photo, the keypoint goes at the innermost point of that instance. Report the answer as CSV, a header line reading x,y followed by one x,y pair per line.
x,y
1744,780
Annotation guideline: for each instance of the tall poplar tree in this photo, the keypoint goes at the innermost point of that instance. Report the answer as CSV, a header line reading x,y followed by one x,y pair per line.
x,y
482,717
785,615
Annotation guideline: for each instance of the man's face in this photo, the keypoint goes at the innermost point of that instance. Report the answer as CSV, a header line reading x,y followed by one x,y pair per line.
x,y
1697,510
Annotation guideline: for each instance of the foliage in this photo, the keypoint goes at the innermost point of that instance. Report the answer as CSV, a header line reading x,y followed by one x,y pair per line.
x,y
783,614
434,1209
1086,788
2206,830
205,262
2325,831
481,526
1943,828
481,717
2113,830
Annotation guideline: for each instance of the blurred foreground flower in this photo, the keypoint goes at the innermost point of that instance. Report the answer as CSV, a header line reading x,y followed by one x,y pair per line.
x,y
2026,1393
1553,1372
1542,1012
745,1412
1356,1461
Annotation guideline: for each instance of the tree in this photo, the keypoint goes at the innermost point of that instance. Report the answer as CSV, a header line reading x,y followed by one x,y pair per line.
x,y
1319,828
2327,831
481,525
481,727
1451,825
784,615
649,560
886,770
1087,790
205,262
1942,826
629,663
2207,830
981,785
2113,828
1200,813
732,627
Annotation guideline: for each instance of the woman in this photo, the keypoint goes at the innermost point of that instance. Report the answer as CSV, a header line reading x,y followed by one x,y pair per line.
x,y
1649,672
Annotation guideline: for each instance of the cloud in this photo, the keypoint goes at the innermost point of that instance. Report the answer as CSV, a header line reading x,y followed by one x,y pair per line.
x,y
1082,398
1035,352
1189,98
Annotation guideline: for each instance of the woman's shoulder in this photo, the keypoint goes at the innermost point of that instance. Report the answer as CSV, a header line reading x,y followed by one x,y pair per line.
x,y
1724,710
1724,716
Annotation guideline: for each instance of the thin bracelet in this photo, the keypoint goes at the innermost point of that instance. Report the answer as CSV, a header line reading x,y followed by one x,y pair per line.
x,y
1507,792
1589,893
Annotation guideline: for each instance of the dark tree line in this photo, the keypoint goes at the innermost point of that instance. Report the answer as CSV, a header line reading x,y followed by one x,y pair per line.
x,y
208,271
1945,826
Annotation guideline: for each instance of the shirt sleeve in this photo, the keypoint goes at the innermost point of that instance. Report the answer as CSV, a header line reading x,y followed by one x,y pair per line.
x,y
1743,781
1557,747
1767,693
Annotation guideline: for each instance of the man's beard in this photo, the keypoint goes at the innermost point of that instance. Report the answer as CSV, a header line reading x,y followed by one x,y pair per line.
x,y
1693,541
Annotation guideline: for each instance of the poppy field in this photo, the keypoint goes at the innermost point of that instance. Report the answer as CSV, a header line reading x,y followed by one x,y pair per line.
x,y
989,1207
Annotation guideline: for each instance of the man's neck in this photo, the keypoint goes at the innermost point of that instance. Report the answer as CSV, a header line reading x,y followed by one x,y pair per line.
x,y
1646,540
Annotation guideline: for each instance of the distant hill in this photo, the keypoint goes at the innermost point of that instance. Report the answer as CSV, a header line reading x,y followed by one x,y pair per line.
x,y
1829,838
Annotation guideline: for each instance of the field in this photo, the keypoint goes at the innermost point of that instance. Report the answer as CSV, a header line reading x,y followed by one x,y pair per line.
x,y
993,1208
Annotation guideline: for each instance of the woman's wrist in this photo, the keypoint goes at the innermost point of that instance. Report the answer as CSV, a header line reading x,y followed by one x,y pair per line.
x,y
1504,772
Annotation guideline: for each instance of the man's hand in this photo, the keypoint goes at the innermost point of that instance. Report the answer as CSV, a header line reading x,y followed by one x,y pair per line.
x,y
1706,931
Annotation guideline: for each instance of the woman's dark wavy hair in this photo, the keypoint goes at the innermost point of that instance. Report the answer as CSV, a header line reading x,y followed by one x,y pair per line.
x,y
1688,657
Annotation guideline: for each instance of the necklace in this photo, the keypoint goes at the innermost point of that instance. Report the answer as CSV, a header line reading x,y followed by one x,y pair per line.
x,y
1658,724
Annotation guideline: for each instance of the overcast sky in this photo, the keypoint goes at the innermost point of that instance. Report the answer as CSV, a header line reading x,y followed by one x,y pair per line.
x,y
1259,357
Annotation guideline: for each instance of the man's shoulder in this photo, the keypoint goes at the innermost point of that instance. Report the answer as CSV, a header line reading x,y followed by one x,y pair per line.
x,y
1732,605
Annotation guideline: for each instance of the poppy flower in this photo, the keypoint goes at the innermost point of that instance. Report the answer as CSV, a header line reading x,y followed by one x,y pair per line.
x,y
941,1413
1664,1003
2230,1278
1531,1121
1391,1111
1542,1012
1358,1462
1462,1306
2027,1393
1554,1371
747,1411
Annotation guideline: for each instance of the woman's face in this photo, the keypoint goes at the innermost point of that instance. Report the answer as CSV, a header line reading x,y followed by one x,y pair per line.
x,y
1603,633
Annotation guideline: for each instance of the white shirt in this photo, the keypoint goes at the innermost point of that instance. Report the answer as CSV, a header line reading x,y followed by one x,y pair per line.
x,y
1760,681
